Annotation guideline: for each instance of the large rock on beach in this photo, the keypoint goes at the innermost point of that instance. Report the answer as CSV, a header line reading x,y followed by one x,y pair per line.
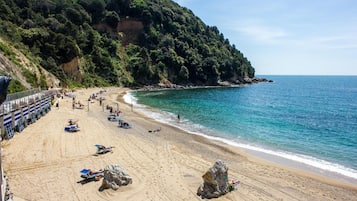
x,y
114,177
215,181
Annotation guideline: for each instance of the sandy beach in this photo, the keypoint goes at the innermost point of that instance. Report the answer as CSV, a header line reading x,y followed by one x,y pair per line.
x,y
44,162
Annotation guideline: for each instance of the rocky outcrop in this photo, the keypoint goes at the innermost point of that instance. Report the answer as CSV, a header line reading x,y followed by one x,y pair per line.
x,y
215,181
248,80
114,177
15,69
73,68
130,30
127,30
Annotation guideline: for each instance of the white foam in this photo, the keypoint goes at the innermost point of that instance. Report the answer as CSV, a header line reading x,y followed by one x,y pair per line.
x,y
196,129
130,99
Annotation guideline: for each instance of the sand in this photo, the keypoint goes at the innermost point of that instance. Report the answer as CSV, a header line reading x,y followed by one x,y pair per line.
x,y
43,162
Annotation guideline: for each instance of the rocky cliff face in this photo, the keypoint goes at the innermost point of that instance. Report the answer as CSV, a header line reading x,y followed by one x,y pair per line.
x,y
130,30
73,68
15,67
10,69
127,30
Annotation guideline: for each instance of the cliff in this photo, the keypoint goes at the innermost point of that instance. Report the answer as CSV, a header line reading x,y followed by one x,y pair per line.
x,y
19,67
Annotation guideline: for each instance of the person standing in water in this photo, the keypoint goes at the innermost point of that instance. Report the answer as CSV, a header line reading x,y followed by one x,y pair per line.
x,y
178,117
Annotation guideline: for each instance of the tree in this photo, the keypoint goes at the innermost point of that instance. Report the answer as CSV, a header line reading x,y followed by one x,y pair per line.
x,y
210,67
112,19
137,7
74,16
184,74
6,12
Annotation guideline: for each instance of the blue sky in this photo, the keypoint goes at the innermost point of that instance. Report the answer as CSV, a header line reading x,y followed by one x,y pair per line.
x,y
287,37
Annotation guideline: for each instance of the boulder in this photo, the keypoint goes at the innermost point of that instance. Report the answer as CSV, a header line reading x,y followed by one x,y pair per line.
x,y
215,181
114,177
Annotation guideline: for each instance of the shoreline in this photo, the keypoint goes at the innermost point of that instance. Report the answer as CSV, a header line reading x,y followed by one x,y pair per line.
x,y
43,162
306,169
171,86
301,163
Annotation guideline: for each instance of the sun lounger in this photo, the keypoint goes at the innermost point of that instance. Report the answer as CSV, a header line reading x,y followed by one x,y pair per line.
x,y
103,149
89,174
113,117
123,124
71,128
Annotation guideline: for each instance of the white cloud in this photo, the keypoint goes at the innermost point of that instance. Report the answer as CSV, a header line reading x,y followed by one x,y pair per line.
x,y
262,33
279,36
336,42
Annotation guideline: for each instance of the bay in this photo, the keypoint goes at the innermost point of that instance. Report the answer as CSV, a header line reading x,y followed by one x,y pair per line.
x,y
309,119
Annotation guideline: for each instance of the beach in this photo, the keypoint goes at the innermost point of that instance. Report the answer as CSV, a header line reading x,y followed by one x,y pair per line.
x,y
44,162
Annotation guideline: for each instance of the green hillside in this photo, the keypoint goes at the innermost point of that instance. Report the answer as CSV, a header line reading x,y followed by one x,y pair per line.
x,y
121,42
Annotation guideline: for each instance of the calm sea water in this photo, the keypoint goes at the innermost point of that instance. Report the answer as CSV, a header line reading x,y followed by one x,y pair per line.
x,y
309,119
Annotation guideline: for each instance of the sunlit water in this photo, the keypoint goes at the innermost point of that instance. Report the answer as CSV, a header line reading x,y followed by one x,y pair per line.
x,y
309,119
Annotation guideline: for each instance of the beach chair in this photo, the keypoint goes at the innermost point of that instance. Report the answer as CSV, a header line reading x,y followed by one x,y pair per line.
x,y
113,117
123,124
72,128
88,174
103,149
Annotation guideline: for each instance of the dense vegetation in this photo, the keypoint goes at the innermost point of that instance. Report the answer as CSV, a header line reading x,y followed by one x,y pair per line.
x,y
172,44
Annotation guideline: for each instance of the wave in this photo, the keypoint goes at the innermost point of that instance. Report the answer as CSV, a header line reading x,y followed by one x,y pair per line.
x,y
196,129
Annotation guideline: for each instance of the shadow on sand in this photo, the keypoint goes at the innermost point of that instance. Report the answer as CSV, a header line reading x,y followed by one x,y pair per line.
x,y
87,180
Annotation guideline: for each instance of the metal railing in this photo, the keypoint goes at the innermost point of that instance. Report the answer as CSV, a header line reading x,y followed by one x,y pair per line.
x,y
15,100
21,94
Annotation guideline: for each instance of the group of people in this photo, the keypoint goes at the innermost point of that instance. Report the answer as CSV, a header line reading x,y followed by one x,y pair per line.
x,y
155,131
77,105
112,111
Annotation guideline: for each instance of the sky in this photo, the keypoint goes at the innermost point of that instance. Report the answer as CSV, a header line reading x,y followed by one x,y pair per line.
x,y
287,37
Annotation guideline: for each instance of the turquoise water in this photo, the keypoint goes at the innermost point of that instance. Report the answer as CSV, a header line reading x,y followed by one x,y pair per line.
x,y
309,119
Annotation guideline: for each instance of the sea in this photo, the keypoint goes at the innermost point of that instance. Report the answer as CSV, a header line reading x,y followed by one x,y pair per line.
x,y
309,122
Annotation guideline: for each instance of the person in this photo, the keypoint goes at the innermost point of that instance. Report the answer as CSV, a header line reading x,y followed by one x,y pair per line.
x,y
73,122
233,185
178,117
157,130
